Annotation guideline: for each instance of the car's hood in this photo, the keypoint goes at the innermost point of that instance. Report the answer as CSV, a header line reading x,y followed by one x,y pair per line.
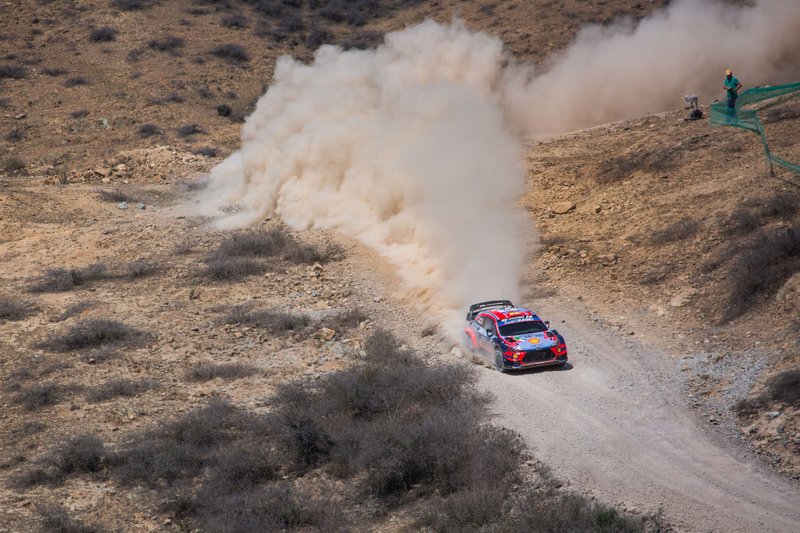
x,y
533,341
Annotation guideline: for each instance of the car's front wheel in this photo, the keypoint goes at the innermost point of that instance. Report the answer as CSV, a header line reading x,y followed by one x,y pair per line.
x,y
499,360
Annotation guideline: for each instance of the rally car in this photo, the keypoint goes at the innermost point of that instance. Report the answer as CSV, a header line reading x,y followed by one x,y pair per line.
x,y
516,337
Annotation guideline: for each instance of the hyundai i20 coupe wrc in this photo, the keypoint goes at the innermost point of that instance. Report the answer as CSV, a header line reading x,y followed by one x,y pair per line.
x,y
516,337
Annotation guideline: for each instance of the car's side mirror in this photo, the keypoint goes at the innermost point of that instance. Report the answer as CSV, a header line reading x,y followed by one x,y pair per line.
x,y
547,323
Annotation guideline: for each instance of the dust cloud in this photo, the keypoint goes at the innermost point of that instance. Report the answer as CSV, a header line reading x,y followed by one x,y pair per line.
x,y
414,148
627,70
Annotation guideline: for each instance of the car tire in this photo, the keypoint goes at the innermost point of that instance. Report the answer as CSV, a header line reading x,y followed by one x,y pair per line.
x,y
499,361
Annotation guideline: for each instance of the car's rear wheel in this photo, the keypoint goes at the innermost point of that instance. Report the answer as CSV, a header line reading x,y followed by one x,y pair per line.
x,y
499,360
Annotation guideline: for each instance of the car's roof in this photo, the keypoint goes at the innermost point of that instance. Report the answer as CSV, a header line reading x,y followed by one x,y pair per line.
x,y
514,314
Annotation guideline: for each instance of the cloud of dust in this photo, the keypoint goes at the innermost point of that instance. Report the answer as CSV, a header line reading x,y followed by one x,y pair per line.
x,y
404,147
415,149
627,70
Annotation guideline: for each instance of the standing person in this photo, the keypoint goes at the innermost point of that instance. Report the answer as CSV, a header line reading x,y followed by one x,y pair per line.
x,y
731,86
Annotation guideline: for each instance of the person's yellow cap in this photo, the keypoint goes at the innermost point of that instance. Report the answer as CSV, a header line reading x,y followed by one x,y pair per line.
x,y
728,72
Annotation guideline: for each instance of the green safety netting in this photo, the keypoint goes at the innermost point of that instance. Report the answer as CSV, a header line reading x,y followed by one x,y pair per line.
x,y
748,118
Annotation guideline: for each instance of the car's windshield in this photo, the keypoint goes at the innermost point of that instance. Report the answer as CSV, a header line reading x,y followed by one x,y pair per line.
x,y
522,328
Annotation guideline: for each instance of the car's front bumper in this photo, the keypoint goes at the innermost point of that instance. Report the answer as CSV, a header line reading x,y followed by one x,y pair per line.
x,y
514,365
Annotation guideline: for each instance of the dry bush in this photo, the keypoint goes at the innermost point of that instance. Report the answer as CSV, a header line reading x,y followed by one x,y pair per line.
x,y
119,388
236,21
190,129
131,5
115,197
104,35
13,309
62,279
781,205
233,269
740,222
248,253
230,52
141,268
56,519
14,165
93,333
40,395
74,81
13,72
54,71
782,388
760,266
225,371
572,512
344,320
27,428
678,231
273,321
275,243
658,159
169,44
148,130
80,455
79,114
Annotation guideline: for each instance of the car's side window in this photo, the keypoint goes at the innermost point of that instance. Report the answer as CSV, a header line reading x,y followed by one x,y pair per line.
x,y
477,324
490,329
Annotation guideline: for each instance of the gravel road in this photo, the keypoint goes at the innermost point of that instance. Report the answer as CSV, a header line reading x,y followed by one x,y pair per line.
x,y
613,424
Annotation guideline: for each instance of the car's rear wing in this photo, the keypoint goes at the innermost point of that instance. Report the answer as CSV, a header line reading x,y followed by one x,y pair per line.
x,y
474,309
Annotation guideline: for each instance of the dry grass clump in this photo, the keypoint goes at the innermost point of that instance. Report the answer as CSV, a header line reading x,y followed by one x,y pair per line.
x,y
115,197
230,52
273,321
80,455
678,231
759,266
782,388
657,159
253,252
93,333
225,371
56,519
119,388
13,309
63,279
36,396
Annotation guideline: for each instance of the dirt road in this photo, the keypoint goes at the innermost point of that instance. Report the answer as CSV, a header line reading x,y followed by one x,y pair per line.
x,y
614,424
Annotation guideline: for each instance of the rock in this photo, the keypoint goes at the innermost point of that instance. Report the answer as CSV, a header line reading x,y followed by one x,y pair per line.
x,y
561,208
103,171
106,180
122,205
327,293
683,296
773,414
598,208
326,334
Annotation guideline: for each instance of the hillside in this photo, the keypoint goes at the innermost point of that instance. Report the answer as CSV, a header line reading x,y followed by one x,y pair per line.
x,y
665,236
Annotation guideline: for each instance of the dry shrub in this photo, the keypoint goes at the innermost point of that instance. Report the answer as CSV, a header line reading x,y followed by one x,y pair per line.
x,y
56,519
83,454
760,266
225,371
93,333
678,231
62,279
12,309
658,159
119,388
116,196
34,397
273,321
247,253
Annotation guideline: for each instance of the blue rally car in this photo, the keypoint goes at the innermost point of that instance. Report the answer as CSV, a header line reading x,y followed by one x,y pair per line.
x,y
516,337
